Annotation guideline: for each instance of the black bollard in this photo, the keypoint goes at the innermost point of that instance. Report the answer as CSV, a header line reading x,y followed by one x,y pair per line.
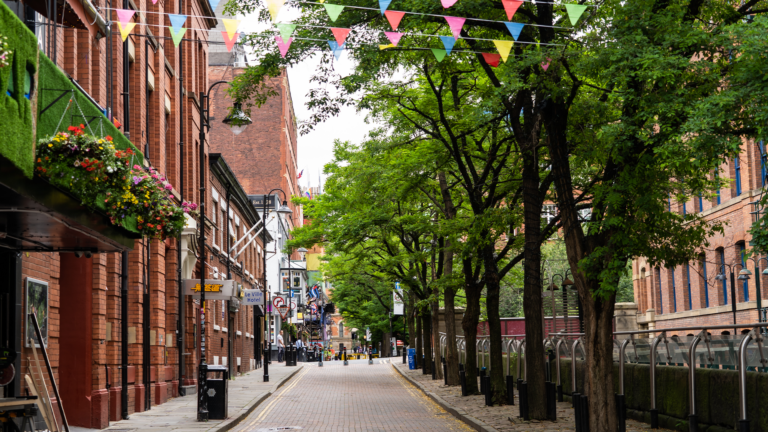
x,y
551,402
654,419
576,399
524,401
519,382
423,365
404,350
510,390
621,413
693,423
463,381
445,373
434,371
482,380
560,393
743,425
584,413
488,392
461,366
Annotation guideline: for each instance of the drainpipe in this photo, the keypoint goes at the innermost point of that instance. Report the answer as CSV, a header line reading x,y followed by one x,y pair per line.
x,y
230,319
126,87
182,301
124,334
145,336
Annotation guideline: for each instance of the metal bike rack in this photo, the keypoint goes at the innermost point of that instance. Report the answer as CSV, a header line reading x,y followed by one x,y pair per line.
x,y
654,345
758,337
520,361
487,342
576,343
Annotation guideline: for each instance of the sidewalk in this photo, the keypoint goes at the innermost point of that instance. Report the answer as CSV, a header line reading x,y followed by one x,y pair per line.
x,y
180,414
472,409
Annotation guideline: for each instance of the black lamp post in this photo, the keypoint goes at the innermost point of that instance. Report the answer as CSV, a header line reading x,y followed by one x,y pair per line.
x,y
743,275
237,121
281,211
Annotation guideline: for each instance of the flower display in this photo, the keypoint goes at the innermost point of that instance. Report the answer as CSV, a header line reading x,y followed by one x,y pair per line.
x,y
5,52
108,179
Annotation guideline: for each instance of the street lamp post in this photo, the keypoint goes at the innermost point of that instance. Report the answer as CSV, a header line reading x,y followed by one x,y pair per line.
x,y
237,121
743,275
281,211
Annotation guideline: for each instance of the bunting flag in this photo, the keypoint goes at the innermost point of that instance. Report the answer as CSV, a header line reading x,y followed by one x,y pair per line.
x,y
333,11
510,6
177,21
455,23
394,18
448,3
177,35
545,65
394,37
286,30
504,47
282,45
514,29
274,7
230,42
448,43
126,30
383,47
124,15
231,26
336,48
340,34
154,1
492,59
439,54
575,11
214,3
383,5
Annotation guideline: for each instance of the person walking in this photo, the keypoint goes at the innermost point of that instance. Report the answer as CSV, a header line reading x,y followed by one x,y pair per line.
x,y
280,347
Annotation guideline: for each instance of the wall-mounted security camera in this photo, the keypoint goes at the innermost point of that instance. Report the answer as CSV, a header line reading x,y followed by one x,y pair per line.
x,y
88,254
78,254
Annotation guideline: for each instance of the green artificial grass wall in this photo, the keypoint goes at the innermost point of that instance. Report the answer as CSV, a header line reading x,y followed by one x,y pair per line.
x,y
51,80
16,118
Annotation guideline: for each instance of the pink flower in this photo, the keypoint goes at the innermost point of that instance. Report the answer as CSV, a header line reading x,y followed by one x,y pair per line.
x,y
186,209
136,167
193,206
169,186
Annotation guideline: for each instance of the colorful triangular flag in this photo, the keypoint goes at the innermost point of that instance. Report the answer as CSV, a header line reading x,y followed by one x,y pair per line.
x,y
545,65
492,59
124,15
439,54
394,18
504,48
383,47
455,23
340,34
383,5
336,48
282,45
274,7
177,21
394,37
125,31
229,42
448,3
214,3
510,6
575,11
286,30
177,35
514,29
333,11
231,26
448,43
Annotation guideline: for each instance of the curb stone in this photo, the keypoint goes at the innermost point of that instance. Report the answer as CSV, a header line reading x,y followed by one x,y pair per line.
x,y
458,413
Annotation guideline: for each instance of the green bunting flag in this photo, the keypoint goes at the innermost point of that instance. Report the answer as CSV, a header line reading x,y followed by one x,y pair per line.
x,y
333,10
439,54
177,36
575,11
286,30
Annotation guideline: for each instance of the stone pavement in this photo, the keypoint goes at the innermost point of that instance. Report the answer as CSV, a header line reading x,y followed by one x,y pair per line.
x,y
496,418
180,414
359,397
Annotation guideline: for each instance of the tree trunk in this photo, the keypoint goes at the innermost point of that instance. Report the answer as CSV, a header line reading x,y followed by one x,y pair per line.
x,y
449,295
469,324
534,345
426,331
493,290
436,332
419,339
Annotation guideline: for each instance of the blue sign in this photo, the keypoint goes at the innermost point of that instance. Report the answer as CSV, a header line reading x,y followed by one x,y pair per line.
x,y
253,297
411,358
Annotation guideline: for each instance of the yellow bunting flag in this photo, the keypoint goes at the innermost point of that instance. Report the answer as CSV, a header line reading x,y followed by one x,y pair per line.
x,y
274,7
383,47
125,31
231,25
504,47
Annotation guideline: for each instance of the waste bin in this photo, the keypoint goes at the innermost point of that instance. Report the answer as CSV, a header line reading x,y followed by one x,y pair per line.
x,y
217,392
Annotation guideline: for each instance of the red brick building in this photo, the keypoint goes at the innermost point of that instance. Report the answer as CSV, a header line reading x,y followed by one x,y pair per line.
x,y
690,295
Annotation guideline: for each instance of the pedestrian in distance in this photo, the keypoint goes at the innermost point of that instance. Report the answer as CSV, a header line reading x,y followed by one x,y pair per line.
x,y
280,348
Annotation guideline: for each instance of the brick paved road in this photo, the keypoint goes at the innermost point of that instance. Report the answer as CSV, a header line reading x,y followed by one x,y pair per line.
x,y
354,398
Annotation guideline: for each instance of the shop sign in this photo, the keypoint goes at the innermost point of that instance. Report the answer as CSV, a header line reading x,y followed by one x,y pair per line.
x,y
214,289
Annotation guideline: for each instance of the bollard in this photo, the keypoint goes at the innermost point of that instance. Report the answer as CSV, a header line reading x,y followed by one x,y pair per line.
x,y
344,356
576,399
461,366
621,413
560,393
445,373
404,350
551,401
463,382
482,380
693,423
434,371
654,419
488,391
423,365
584,413
370,358
510,390
519,382
524,400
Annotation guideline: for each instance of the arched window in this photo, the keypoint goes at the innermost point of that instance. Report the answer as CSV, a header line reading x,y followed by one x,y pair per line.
x,y
740,248
720,253
341,329
704,283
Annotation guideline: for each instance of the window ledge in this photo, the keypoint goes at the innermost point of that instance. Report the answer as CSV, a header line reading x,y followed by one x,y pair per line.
x,y
239,333
224,329
215,327
216,247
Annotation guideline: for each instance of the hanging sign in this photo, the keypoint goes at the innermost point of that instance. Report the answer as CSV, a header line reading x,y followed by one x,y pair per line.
x,y
253,297
397,296
214,289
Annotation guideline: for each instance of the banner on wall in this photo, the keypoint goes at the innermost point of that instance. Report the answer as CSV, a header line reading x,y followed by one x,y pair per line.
x,y
397,297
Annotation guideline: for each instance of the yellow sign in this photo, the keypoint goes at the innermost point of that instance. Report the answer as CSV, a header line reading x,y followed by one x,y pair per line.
x,y
214,289
208,288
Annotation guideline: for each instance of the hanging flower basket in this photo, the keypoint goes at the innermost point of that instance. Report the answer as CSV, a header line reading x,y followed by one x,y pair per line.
x,y
104,178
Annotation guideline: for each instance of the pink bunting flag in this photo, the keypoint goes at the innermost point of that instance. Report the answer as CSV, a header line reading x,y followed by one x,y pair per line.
x,y
455,23
448,3
510,6
124,15
544,65
229,42
394,37
394,18
282,45
340,34
492,59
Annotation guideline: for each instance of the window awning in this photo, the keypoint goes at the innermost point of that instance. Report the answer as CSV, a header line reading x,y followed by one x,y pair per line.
x,y
36,216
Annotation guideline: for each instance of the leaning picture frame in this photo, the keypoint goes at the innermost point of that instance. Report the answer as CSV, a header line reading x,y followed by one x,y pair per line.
x,y
36,300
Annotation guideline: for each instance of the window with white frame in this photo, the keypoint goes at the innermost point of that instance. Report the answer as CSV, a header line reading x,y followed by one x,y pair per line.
x,y
214,215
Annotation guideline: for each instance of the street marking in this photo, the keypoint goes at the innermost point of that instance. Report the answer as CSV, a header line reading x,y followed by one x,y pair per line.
x,y
285,390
